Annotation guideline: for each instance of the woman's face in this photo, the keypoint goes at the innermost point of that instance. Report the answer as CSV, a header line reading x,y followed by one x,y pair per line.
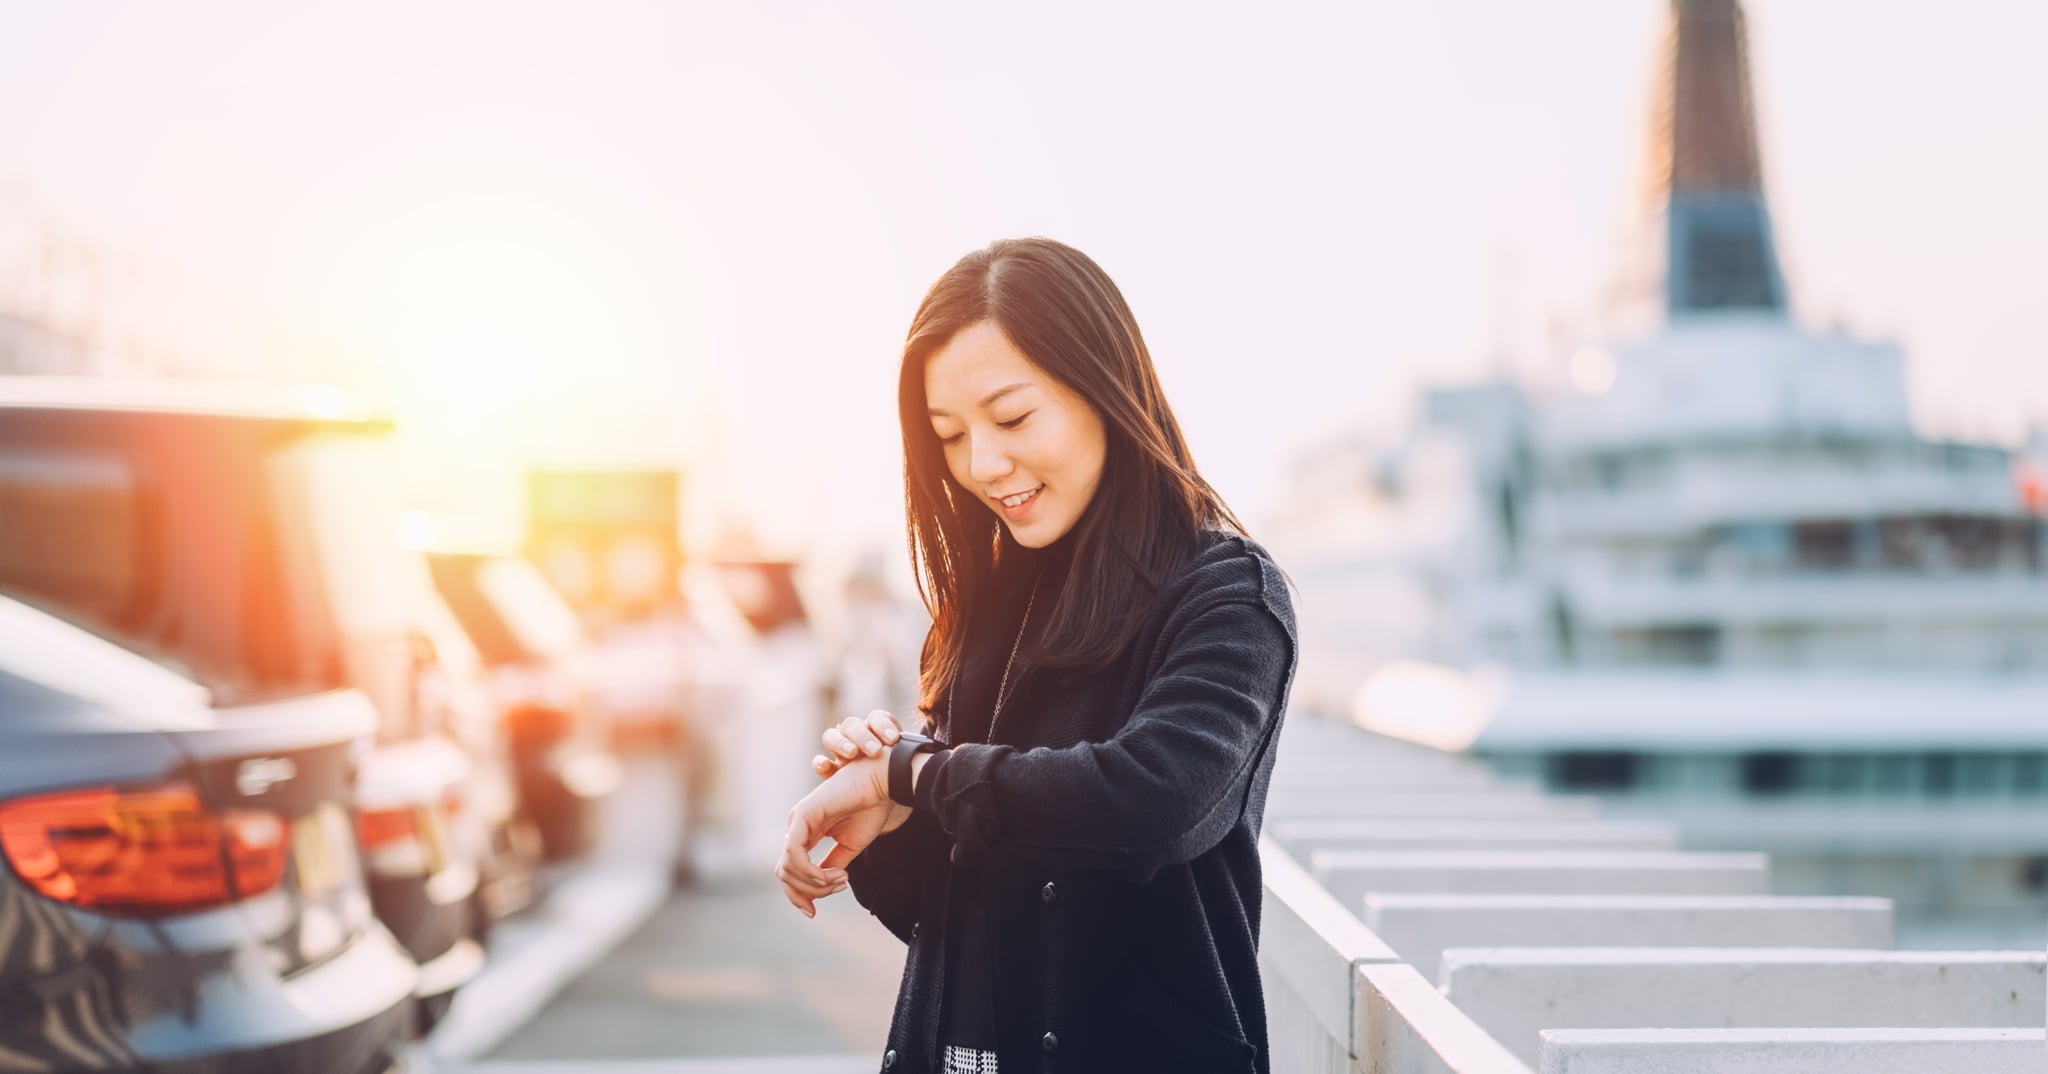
x,y
1031,450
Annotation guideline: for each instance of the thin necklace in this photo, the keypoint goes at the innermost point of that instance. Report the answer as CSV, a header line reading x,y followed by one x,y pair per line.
x,y
953,689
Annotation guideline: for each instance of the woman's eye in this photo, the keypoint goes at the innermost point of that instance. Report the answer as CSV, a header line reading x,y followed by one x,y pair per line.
x,y
1016,421
949,441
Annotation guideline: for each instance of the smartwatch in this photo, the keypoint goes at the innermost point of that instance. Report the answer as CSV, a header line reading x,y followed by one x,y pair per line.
x,y
908,744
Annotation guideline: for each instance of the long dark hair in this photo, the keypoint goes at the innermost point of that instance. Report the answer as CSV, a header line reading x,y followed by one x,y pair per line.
x,y
1149,510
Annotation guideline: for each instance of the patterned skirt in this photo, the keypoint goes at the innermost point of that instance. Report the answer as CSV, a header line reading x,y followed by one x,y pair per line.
x,y
969,1061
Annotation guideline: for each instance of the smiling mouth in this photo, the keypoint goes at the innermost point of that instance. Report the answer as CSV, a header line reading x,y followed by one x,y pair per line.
x,y
1021,498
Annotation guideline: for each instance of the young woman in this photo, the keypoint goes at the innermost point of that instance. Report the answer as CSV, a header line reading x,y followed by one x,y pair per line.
x,y
1074,861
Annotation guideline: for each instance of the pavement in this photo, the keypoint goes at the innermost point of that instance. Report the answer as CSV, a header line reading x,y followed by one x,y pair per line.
x,y
616,973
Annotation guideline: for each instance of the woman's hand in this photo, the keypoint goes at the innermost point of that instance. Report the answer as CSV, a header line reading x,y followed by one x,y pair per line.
x,y
853,807
859,736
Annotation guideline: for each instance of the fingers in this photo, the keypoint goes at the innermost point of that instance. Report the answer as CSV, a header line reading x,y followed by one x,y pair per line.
x,y
803,883
884,725
855,737
806,899
841,744
857,731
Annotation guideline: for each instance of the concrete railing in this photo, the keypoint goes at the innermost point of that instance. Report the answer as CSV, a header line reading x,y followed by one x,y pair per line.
x,y
1794,1051
1442,803
1561,937
1349,874
1338,1002
1303,836
1516,993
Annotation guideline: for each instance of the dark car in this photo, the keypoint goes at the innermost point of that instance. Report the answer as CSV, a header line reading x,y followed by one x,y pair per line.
x,y
539,675
181,890
250,537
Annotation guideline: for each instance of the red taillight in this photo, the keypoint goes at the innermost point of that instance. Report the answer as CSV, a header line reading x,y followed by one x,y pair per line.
x,y
377,828
405,839
142,852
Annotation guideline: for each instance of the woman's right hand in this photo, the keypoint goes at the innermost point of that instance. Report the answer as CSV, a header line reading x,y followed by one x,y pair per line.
x,y
858,736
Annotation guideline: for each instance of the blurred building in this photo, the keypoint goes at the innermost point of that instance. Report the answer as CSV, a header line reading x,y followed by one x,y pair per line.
x,y
1712,570
29,346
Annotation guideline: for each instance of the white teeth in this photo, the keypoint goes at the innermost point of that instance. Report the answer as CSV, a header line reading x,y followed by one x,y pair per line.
x,y
1019,498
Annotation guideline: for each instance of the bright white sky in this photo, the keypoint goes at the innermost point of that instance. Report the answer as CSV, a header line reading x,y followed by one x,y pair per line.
x,y
643,231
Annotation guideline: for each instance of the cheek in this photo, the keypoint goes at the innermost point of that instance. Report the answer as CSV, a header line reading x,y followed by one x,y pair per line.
x,y
956,463
1091,450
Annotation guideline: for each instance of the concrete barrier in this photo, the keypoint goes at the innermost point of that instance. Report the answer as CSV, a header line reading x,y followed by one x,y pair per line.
x,y
1310,948
1515,993
1302,836
1795,1051
1438,803
1377,773
1420,927
1406,1026
1349,874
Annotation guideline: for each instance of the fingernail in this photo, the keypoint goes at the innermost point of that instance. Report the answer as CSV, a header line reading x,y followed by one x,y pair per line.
x,y
835,874
889,736
874,747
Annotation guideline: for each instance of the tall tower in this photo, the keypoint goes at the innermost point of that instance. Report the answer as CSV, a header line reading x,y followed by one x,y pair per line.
x,y
1704,243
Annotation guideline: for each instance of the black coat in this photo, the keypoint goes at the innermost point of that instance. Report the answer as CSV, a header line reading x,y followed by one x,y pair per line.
x,y
1117,820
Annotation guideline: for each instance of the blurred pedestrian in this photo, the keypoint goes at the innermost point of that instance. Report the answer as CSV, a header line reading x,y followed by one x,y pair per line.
x,y
1073,860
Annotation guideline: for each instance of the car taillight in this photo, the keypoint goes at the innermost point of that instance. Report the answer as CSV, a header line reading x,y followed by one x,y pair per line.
x,y
379,828
408,838
143,852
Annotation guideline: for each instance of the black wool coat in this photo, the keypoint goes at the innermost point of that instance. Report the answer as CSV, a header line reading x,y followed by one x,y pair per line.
x,y
1117,821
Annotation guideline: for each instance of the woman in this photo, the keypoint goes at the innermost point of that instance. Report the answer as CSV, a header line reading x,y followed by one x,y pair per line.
x,y
1078,874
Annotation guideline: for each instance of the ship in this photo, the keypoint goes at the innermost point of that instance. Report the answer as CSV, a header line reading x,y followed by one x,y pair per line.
x,y
1705,566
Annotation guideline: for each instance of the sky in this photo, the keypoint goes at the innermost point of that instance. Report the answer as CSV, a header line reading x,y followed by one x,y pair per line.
x,y
647,232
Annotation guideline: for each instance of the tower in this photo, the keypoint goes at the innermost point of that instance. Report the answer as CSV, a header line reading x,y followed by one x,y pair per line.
x,y
1704,242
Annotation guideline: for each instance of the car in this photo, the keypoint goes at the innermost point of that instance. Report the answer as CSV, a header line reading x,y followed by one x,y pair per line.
x,y
540,677
249,536
181,889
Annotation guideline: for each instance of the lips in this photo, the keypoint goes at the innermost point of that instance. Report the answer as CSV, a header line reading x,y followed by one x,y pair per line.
x,y
1018,499
1017,512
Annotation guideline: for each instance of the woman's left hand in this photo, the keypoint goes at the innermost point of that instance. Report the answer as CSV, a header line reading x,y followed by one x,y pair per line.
x,y
853,807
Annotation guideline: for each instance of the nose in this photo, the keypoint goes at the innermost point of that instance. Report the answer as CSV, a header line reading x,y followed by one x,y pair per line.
x,y
987,462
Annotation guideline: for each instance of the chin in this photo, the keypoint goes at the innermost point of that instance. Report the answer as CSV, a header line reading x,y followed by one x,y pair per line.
x,y
1037,536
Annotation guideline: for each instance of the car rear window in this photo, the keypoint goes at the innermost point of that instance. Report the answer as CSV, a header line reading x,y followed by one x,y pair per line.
x,y
73,521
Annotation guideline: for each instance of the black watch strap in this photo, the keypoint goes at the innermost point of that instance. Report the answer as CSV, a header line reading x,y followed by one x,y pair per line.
x,y
908,744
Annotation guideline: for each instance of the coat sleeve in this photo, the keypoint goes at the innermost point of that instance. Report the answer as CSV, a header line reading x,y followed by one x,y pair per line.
x,y
888,877
1168,786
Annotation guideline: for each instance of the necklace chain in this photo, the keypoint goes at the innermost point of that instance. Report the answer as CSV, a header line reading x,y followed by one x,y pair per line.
x,y
953,690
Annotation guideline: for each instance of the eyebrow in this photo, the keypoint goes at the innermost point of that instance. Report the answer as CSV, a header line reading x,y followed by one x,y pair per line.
x,y
985,400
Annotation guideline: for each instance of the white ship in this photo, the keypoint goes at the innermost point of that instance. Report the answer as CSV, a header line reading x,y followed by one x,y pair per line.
x,y
1712,572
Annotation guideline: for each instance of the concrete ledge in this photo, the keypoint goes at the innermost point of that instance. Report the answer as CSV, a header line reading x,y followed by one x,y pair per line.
x,y
1405,1026
1795,1051
1349,874
1515,993
1309,941
1440,803
1420,927
1301,836
1340,774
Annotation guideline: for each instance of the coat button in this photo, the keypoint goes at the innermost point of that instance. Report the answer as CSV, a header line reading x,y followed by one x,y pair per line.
x,y
913,930
1048,892
1051,1043
888,1059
